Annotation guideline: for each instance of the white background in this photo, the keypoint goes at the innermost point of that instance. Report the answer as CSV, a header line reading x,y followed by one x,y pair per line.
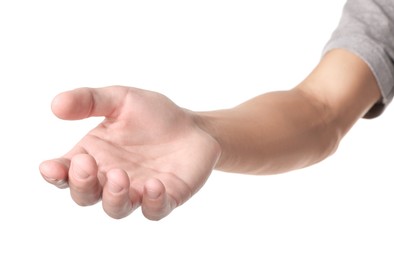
x,y
204,55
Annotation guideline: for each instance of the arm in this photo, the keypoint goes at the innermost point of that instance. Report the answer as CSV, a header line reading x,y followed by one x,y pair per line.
x,y
281,131
151,153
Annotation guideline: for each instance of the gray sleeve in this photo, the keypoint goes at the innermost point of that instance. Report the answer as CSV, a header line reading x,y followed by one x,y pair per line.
x,y
367,30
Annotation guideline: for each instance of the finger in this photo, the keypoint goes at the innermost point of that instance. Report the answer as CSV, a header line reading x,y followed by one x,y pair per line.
x,y
116,196
86,102
56,172
84,185
156,203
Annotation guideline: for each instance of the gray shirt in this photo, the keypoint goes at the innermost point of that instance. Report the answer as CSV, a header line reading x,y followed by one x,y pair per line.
x,y
367,30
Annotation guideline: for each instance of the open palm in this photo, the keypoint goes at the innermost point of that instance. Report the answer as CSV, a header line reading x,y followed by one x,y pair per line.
x,y
147,152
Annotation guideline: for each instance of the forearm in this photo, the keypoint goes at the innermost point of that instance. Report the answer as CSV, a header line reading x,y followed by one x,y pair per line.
x,y
281,131
274,132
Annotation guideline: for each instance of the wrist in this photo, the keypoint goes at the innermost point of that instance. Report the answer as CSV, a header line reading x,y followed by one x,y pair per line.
x,y
207,122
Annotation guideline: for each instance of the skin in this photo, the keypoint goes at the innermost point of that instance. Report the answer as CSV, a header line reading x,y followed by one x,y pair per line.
x,y
150,153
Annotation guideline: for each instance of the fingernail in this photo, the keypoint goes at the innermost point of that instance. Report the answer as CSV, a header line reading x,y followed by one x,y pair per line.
x,y
61,184
153,194
58,183
113,187
53,180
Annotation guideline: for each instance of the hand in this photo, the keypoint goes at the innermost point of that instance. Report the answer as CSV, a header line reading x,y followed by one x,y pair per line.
x,y
147,152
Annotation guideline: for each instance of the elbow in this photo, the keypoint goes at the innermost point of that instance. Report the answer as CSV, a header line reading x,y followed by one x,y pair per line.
x,y
332,144
329,140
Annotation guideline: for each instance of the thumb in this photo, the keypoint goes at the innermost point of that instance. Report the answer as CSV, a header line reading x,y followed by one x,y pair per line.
x,y
87,102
